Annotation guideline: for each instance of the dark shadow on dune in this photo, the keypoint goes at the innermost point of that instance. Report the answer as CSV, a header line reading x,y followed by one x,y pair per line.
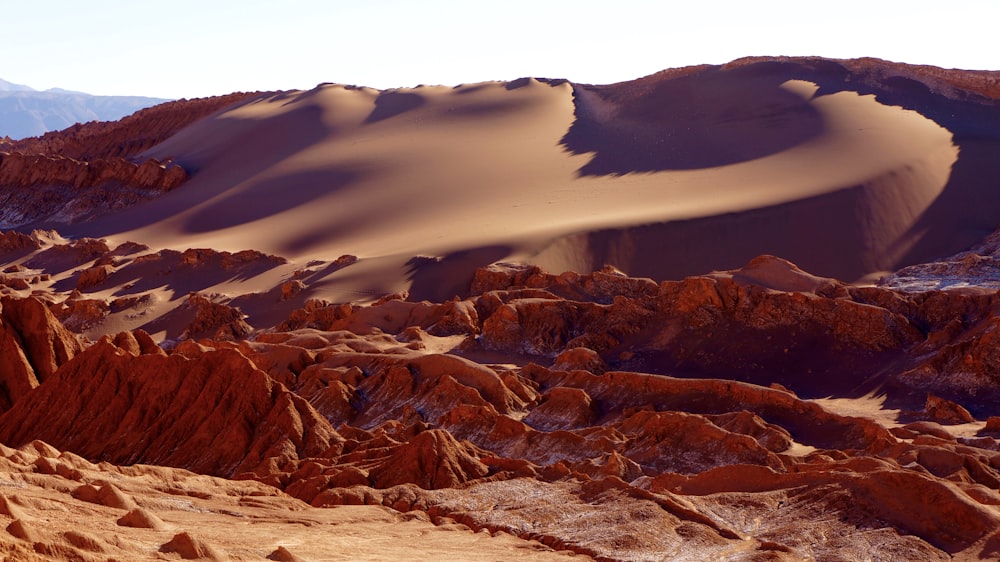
x,y
438,280
712,118
250,147
268,198
524,81
463,89
818,234
968,209
698,120
810,363
390,104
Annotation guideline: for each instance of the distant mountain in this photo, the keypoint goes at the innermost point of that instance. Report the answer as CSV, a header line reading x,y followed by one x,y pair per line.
x,y
6,86
26,112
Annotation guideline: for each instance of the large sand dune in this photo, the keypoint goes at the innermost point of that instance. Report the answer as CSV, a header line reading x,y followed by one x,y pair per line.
x,y
667,176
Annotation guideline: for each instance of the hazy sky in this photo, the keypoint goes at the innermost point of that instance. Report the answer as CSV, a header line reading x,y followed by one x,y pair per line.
x,y
194,48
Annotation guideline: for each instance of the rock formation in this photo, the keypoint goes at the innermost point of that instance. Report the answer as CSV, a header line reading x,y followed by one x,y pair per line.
x,y
171,411
576,425
127,137
89,169
33,345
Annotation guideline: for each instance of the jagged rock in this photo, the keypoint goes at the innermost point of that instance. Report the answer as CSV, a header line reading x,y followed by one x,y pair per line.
x,y
946,411
93,276
781,275
433,459
191,548
169,410
500,276
142,519
580,358
129,136
291,288
78,314
18,170
23,530
33,344
562,408
215,320
16,283
227,260
137,343
16,242
88,169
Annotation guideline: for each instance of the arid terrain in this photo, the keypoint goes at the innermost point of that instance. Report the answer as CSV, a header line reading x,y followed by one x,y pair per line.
x,y
741,312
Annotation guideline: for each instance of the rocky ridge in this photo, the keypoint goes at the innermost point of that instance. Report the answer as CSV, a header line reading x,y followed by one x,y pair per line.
x,y
58,506
670,415
89,169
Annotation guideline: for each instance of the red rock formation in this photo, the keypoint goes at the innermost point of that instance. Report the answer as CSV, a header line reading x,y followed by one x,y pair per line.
x,y
128,136
725,324
12,242
24,171
33,344
588,437
214,320
89,169
214,414
946,411
431,460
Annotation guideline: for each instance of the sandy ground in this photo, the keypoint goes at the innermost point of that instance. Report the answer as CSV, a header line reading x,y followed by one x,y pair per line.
x,y
215,519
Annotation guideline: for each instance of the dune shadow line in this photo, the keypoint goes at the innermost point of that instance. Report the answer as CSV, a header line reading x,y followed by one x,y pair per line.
x,y
711,118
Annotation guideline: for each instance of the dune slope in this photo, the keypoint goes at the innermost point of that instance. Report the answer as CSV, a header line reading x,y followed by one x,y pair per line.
x,y
847,168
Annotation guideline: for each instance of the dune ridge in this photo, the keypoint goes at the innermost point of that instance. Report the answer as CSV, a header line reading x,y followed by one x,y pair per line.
x,y
856,159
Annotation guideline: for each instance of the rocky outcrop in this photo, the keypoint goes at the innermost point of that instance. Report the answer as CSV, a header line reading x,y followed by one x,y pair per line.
x,y
214,413
87,170
56,189
19,170
564,389
33,345
766,323
431,460
214,320
128,136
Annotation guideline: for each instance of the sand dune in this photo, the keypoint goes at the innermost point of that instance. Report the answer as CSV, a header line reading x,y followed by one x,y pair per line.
x,y
704,170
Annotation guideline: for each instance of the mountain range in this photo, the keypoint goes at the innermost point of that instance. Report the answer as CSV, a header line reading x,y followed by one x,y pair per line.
x,y
26,112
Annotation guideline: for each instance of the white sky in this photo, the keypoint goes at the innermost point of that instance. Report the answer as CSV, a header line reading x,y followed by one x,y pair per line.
x,y
194,48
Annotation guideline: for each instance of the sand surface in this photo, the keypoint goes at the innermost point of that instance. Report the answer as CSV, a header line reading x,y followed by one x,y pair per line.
x,y
538,171
77,514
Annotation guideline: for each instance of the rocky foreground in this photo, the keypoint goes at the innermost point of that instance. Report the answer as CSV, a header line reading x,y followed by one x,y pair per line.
x,y
756,414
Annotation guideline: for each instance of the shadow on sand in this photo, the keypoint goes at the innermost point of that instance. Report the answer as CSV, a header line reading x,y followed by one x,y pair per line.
x,y
701,119
712,118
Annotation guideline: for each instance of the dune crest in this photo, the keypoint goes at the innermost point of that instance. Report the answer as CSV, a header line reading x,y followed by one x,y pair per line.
x,y
706,168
